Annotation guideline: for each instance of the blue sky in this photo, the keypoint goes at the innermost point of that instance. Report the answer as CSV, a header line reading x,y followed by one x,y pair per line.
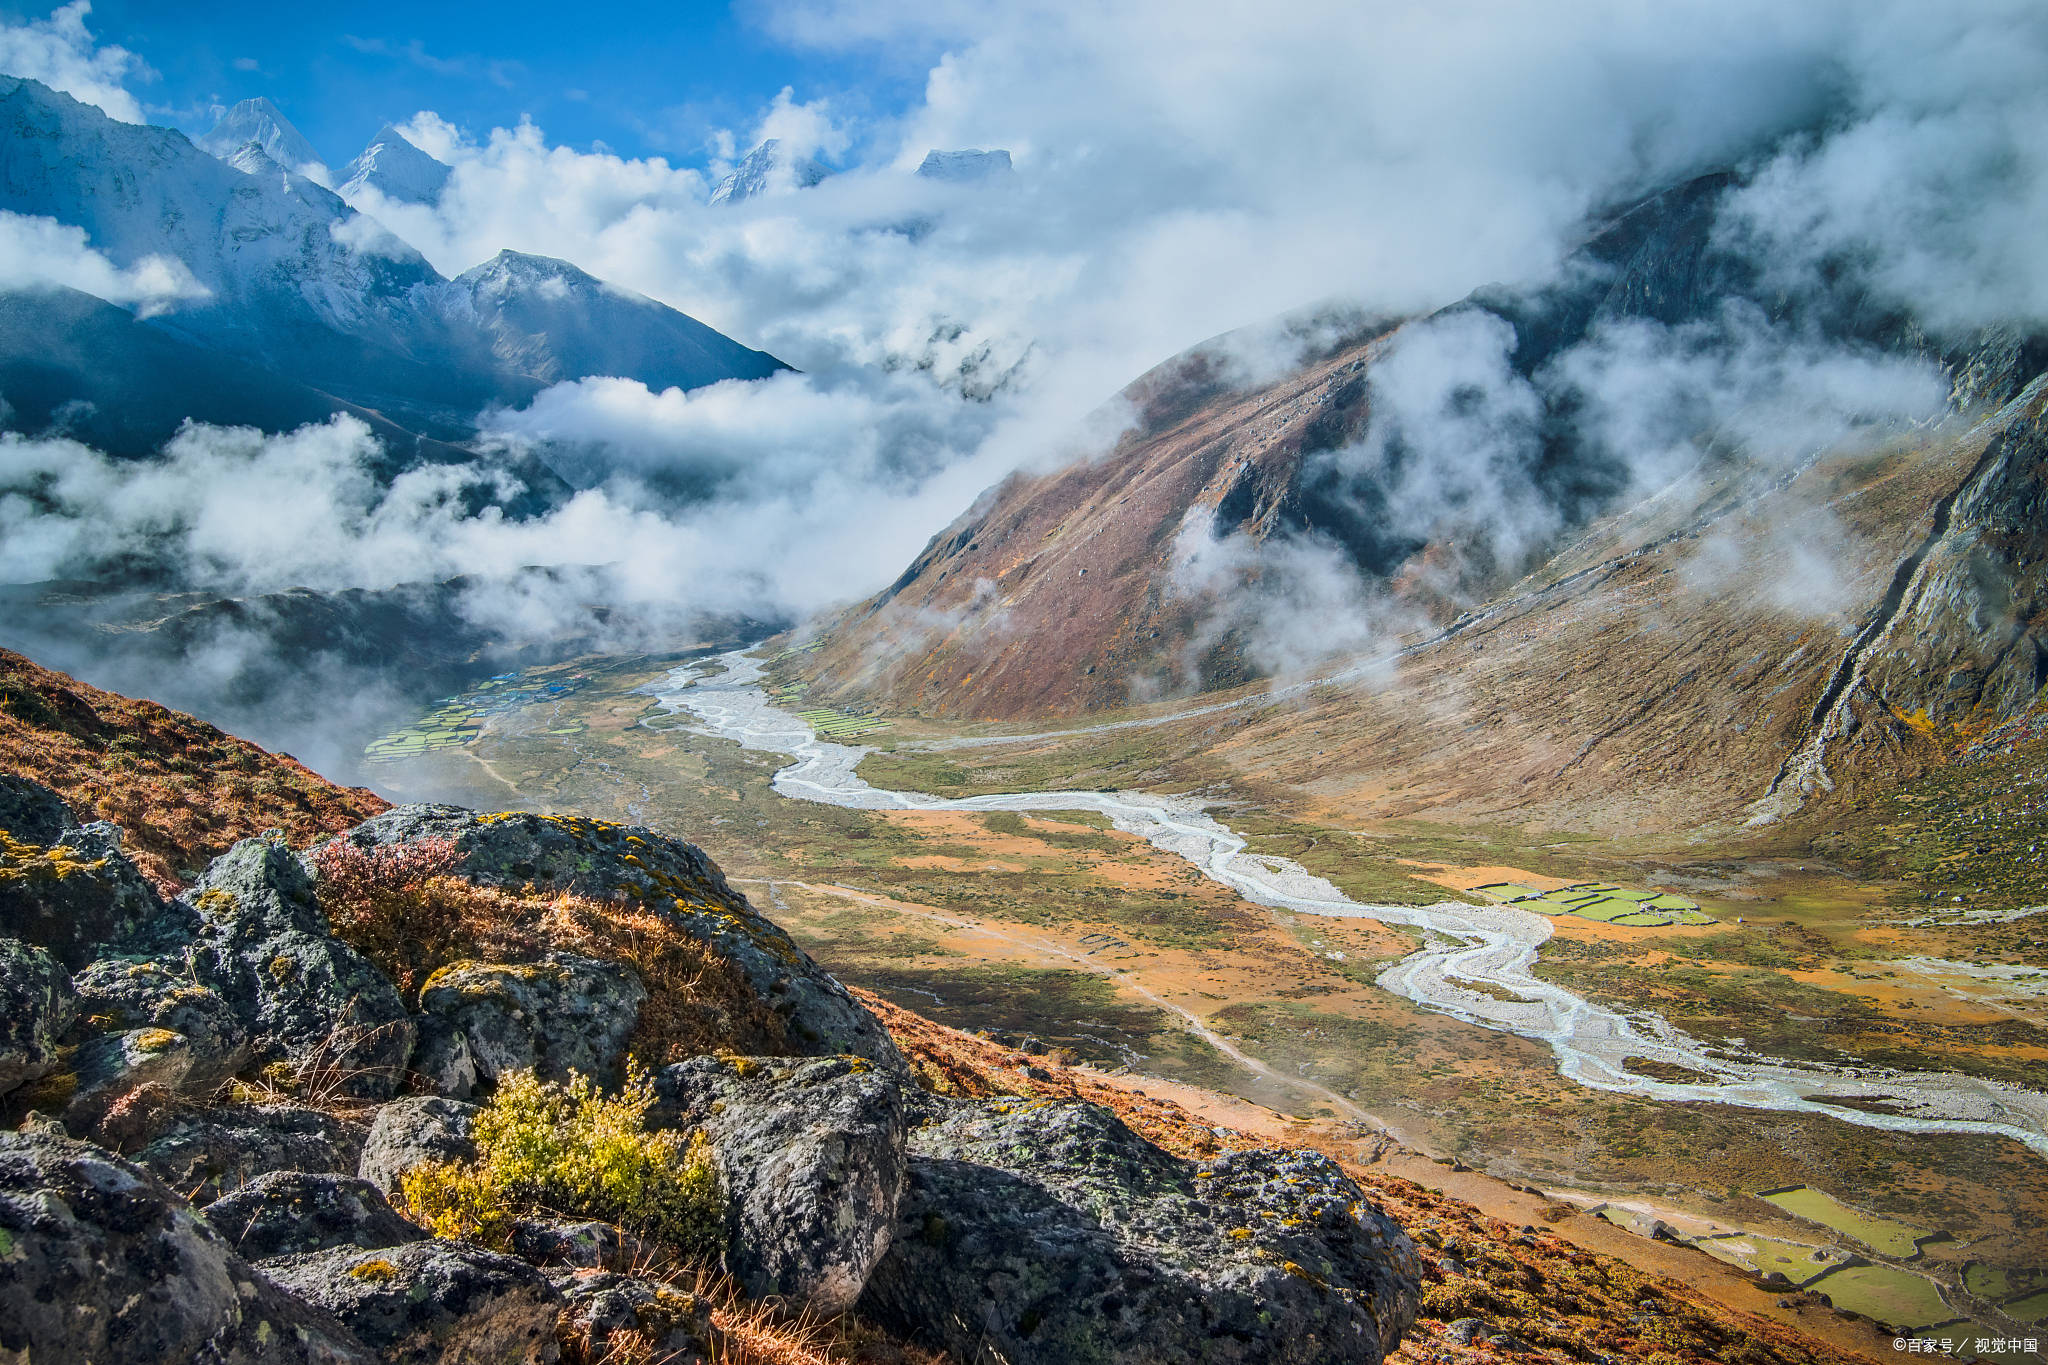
x,y
643,78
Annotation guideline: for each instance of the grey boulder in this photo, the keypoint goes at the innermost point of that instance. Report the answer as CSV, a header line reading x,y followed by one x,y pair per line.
x,y
811,1156
1040,1231
206,1155
124,993
618,1317
307,999
564,1013
410,1132
67,887
37,1005
104,1266
286,1212
431,1303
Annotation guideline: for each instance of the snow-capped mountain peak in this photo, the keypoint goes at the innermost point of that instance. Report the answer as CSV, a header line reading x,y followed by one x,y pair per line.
x,y
396,169
768,169
261,122
966,166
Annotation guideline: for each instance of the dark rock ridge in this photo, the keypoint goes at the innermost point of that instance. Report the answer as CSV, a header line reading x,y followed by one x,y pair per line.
x,y
1049,1232
1039,1231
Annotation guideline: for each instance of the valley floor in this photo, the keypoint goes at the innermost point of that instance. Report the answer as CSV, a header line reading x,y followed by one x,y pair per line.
x,y
1056,930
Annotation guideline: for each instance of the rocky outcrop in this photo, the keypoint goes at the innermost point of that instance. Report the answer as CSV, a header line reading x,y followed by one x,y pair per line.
x,y
412,1131
64,886
37,1005
431,1303
103,1264
1036,1231
308,999
288,1212
811,1156
123,993
599,859
206,1155
564,1013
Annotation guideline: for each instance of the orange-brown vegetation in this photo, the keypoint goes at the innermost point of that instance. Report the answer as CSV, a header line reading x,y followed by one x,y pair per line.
x,y
400,908
183,790
1563,1302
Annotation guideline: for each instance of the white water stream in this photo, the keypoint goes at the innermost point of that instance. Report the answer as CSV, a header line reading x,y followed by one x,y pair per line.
x,y
1491,946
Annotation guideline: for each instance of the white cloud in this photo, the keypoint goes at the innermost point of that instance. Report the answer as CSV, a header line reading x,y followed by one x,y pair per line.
x,y
60,52
37,253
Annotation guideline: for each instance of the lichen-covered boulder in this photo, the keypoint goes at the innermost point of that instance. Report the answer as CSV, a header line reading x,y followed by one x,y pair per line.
x,y
435,1302
1040,1231
115,1067
103,1264
564,1013
286,1212
612,862
811,1157
205,1155
307,999
409,1132
37,1005
119,993
64,886
618,1317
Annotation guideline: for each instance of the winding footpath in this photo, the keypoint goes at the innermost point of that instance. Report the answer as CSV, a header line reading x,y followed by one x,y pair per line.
x,y
1473,956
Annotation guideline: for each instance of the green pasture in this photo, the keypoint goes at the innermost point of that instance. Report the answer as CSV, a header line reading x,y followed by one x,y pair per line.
x,y
829,724
1602,903
1897,1298
1886,1235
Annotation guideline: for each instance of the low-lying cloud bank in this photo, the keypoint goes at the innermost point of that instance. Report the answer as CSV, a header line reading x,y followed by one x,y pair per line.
x,y
1180,171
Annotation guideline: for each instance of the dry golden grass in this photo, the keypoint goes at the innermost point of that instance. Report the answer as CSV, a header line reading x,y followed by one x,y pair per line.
x,y
400,908
183,790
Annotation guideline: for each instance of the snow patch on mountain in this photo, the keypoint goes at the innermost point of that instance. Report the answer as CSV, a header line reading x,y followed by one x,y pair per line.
x,y
768,169
396,169
966,166
261,122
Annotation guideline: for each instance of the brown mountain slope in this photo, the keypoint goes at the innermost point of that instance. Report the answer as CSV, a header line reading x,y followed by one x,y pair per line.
x,y
183,790
1050,596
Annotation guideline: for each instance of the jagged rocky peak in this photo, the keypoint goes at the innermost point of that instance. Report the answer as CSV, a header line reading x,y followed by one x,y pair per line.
x,y
261,122
396,169
511,272
968,166
769,169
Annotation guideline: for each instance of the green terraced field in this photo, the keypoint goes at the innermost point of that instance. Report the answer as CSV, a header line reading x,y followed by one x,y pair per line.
x,y
1797,1262
1898,1298
2031,1309
1887,1235
1602,903
459,720
840,724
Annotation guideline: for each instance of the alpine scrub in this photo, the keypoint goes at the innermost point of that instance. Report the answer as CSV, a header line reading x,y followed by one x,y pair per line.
x,y
568,1149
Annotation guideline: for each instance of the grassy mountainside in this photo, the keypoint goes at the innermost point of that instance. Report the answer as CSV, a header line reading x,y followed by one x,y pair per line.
x,y
182,789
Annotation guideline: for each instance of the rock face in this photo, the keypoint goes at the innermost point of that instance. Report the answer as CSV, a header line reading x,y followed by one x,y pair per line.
x,y
124,993
103,1264
64,886
1034,1231
811,1155
565,1013
36,1006
602,1307
431,1303
288,1212
411,1131
607,861
204,1156
308,999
